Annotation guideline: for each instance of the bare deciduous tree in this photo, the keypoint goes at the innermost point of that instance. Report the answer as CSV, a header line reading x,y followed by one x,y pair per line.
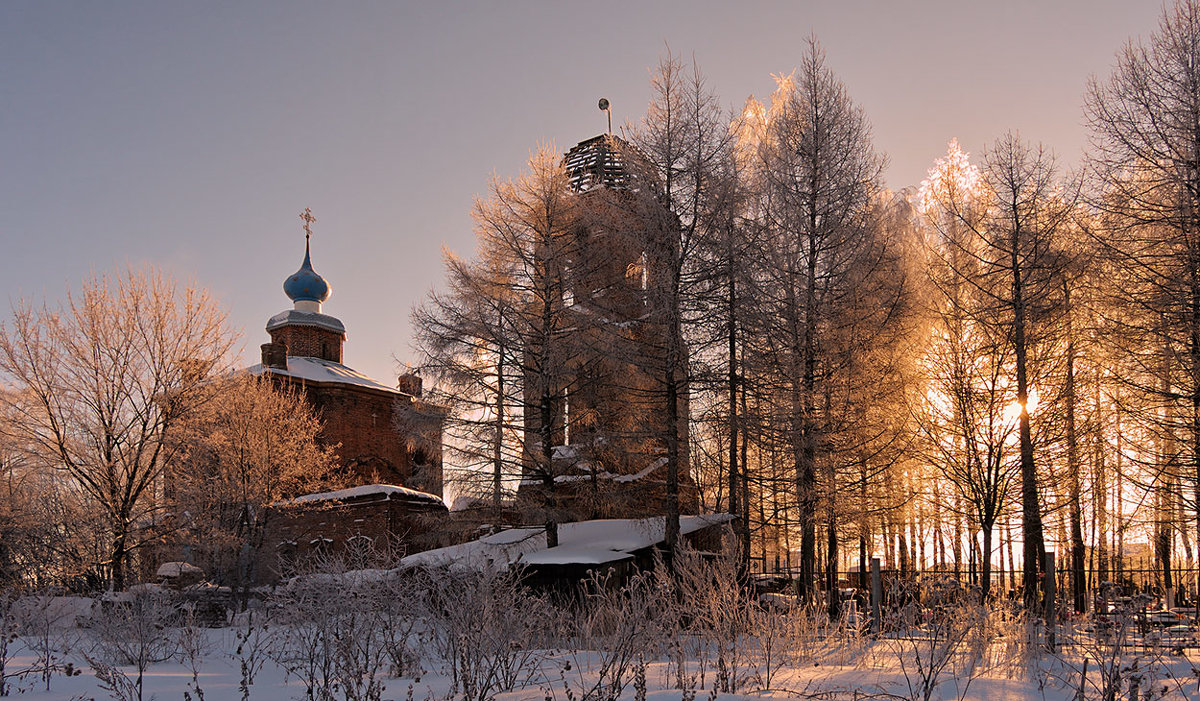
x,y
510,318
962,413
1010,244
102,383
822,176
685,140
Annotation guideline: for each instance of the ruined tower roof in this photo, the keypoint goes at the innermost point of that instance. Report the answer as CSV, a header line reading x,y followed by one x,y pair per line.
x,y
601,161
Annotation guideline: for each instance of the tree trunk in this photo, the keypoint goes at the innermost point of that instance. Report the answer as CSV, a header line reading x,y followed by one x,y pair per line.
x,y
958,537
1194,357
547,436
1075,507
1100,492
671,535
498,438
986,575
732,381
1031,516
745,451
1012,560
862,563
831,562
807,476
676,378
1164,488
118,552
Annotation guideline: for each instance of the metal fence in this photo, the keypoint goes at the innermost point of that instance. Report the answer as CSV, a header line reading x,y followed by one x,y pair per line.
x,y
1129,608
1124,581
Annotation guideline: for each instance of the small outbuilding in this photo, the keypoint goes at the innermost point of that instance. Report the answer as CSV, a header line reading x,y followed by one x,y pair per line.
x,y
616,548
359,523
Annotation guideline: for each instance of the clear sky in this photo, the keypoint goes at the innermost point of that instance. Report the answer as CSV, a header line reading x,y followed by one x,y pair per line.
x,y
191,135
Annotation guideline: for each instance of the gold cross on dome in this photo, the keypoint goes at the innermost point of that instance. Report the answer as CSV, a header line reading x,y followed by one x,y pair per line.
x,y
309,219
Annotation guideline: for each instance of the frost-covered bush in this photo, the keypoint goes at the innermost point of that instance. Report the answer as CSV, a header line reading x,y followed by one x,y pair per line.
x,y
46,622
402,619
930,631
345,626
785,631
1002,645
714,607
304,642
1106,665
612,629
193,647
253,637
8,636
39,626
486,626
133,629
331,635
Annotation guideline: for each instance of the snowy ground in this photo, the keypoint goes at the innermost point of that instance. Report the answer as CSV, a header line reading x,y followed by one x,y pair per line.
x,y
854,670
219,678
446,635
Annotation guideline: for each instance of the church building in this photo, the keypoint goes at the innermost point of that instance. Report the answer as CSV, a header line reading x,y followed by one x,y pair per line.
x,y
386,439
384,434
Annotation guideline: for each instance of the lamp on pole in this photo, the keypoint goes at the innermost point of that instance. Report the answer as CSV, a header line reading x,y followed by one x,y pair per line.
x,y
605,109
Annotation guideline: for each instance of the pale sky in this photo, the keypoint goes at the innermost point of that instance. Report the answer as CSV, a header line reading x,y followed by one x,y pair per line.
x,y
190,135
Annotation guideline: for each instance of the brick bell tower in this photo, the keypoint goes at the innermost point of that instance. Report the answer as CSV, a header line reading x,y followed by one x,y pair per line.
x,y
304,330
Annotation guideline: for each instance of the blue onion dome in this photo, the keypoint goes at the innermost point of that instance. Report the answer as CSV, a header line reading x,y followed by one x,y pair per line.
x,y
306,285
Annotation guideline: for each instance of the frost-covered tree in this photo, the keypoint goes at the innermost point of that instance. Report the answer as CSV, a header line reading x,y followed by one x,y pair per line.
x,y
462,336
823,259
252,445
1009,256
1145,121
685,141
102,383
964,403
506,334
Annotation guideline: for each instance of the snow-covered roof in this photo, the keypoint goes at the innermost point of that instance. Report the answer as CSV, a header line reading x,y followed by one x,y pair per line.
x,y
583,542
323,371
388,491
587,473
300,317
579,555
178,569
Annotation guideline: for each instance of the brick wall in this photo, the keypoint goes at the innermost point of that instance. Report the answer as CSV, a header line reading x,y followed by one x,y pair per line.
x,y
297,535
364,422
310,342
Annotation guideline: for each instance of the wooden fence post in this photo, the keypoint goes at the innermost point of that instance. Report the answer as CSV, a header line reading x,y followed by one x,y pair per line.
x,y
1051,608
876,597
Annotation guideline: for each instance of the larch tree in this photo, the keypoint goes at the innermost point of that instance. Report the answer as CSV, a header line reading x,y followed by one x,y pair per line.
x,y
1017,270
463,338
963,411
822,176
1145,122
508,330
685,141
1080,361
102,384
739,231
871,354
